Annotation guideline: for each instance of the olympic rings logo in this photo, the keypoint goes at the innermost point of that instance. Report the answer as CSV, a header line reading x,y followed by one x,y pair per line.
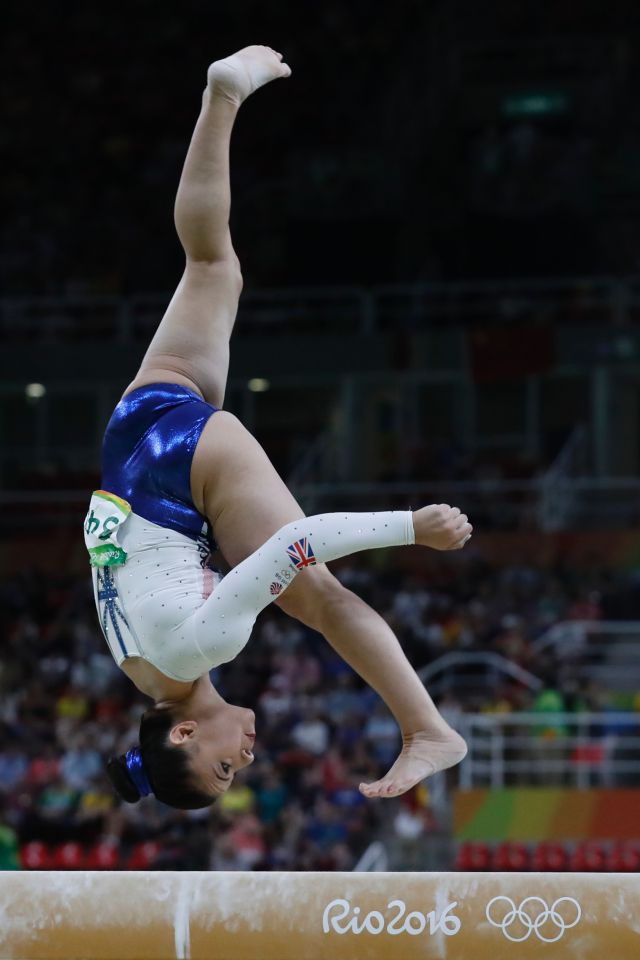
x,y
533,924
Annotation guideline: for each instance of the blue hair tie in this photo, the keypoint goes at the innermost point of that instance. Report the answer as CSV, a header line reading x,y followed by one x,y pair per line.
x,y
137,772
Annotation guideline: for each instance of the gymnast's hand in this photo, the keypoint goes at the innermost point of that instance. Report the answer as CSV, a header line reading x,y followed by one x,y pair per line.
x,y
441,527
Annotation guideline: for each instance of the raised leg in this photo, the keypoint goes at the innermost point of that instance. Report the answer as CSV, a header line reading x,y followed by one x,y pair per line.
x,y
191,344
236,486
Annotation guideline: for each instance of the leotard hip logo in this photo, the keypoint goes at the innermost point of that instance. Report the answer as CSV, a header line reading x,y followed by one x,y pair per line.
x,y
107,513
564,913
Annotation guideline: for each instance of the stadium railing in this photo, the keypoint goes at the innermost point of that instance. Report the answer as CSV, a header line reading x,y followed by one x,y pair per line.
x,y
356,309
459,671
563,749
589,651
602,651
375,859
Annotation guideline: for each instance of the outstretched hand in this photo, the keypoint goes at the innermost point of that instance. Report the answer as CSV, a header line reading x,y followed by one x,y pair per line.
x,y
441,527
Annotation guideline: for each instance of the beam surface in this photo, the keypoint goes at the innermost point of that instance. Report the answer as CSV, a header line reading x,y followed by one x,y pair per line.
x,y
308,916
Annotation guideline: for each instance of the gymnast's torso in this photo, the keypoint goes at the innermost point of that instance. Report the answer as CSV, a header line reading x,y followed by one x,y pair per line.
x,y
145,603
156,597
157,544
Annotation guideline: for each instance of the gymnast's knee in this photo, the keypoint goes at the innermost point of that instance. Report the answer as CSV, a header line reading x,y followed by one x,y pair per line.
x,y
213,270
314,597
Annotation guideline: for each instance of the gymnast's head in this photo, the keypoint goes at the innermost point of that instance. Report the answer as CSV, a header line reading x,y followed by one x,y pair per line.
x,y
189,753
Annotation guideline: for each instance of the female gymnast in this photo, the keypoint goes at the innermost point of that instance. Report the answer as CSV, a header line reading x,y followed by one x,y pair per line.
x,y
175,467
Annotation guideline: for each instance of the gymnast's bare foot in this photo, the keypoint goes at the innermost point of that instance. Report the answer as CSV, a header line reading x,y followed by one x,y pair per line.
x,y
422,755
238,76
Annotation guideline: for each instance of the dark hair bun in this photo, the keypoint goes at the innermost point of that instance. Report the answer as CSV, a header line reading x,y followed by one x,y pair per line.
x,y
121,781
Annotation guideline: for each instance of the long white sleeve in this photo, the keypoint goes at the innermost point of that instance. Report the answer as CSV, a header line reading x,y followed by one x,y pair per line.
x,y
223,623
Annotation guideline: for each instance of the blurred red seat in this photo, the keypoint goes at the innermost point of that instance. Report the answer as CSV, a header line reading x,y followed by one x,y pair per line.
x,y
549,856
473,856
511,856
589,755
588,857
143,855
69,856
43,770
103,856
624,858
36,856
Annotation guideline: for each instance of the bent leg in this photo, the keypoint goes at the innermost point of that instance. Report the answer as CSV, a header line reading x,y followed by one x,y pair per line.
x,y
366,642
191,344
237,487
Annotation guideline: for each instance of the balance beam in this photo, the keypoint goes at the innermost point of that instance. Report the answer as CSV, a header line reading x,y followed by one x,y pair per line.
x,y
309,916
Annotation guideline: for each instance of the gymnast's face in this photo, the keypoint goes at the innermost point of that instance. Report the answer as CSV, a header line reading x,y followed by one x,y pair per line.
x,y
219,743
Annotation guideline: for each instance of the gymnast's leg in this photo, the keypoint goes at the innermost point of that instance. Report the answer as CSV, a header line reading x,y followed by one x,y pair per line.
x,y
233,481
236,486
191,345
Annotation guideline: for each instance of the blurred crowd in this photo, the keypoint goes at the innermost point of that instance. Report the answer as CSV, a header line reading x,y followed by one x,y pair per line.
x,y
65,707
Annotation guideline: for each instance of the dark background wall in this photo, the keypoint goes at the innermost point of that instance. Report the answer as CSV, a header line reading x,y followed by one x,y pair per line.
x,y
415,140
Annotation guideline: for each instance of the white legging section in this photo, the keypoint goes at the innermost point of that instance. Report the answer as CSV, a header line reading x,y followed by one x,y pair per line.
x,y
222,625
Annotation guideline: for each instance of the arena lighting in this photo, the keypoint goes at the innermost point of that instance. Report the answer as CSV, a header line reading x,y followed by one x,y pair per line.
x,y
536,103
34,391
258,385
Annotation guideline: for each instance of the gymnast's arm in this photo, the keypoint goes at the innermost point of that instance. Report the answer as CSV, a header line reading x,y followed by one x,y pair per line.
x,y
223,624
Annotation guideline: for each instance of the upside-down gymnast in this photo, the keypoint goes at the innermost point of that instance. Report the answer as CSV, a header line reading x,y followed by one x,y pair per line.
x,y
176,468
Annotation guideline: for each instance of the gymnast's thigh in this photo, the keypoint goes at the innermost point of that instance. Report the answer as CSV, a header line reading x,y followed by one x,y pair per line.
x,y
246,502
236,486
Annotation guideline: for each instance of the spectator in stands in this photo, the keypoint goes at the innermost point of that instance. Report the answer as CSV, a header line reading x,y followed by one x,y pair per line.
x,y
224,855
238,799
312,734
326,826
382,735
81,764
55,806
247,837
14,765
45,767
272,797
8,844
286,785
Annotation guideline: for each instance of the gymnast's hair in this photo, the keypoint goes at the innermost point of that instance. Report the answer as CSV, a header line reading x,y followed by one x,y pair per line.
x,y
164,768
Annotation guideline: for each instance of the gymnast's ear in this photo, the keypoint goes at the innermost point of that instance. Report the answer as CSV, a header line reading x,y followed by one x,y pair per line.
x,y
120,780
182,730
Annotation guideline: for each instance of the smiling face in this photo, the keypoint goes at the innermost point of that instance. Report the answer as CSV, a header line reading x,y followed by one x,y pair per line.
x,y
219,744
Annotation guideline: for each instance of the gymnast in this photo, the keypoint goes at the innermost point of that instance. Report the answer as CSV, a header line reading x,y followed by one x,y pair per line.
x,y
179,473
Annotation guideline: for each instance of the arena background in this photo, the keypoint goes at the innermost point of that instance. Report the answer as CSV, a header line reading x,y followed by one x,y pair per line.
x,y
439,224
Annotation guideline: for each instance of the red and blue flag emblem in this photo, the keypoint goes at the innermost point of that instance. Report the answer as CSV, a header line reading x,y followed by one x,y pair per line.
x,y
301,554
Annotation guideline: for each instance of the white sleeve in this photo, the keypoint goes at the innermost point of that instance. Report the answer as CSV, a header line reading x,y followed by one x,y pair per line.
x,y
224,622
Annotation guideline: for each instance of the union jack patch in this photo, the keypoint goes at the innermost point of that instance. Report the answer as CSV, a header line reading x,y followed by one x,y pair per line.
x,y
275,588
301,554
